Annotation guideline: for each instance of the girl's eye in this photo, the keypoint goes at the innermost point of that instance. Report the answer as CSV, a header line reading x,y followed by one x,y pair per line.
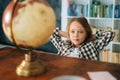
x,y
72,31
80,31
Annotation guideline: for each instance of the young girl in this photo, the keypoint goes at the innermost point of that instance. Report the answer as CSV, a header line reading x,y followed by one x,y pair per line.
x,y
81,42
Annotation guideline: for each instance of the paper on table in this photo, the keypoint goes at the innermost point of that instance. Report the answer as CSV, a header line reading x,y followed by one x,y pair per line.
x,y
101,75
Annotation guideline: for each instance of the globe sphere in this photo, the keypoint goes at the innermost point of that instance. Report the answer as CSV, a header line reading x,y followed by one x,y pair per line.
x,y
28,23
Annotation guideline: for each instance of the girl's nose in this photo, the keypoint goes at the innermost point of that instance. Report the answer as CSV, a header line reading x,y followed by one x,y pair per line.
x,y
75,34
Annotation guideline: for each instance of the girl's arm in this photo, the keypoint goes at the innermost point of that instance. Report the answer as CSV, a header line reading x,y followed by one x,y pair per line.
x,y
103,38
56,38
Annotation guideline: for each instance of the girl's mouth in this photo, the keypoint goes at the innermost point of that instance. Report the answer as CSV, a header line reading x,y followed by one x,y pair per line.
x,y
76,39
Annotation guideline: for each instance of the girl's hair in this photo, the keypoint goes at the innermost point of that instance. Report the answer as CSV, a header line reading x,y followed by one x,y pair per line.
x,y
83,21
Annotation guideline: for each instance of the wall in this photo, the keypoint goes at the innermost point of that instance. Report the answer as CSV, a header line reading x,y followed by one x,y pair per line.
x,y
55,4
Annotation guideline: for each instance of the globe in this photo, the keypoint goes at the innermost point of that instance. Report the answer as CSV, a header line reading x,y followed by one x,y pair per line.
x,y
29,24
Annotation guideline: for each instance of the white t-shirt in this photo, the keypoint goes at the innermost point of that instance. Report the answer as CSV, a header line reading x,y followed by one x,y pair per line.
x,y
74,53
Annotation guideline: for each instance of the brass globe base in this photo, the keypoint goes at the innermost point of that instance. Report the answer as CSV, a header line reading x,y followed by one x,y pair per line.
x,y
31,66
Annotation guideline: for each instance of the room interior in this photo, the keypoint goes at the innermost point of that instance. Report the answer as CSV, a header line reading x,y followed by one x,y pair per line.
x,y
60,8
56,65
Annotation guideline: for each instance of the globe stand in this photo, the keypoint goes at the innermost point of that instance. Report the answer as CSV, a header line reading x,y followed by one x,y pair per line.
x,y
31,66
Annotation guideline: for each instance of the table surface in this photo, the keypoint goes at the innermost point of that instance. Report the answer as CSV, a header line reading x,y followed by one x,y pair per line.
x,y
56,65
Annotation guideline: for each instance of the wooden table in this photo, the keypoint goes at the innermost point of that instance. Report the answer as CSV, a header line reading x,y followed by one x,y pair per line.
x,y
10,58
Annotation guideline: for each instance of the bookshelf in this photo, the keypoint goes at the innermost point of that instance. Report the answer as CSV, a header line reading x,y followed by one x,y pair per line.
x,y
101,14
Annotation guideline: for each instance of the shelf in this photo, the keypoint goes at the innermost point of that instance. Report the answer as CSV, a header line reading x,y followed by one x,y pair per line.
x,y
116,43
74,17
92,18
116,18
98,21
100,18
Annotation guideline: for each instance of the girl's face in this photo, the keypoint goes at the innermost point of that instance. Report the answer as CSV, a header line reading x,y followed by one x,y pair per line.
x,y
77,33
